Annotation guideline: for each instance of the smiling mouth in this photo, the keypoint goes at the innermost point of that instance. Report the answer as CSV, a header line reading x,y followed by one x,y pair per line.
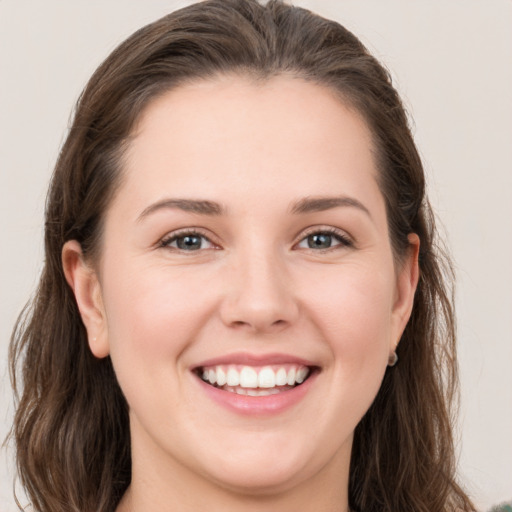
x,y
254,380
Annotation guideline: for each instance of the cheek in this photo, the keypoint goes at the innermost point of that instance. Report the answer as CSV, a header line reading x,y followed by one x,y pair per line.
x,y
353,309
350,311
153,314
153,317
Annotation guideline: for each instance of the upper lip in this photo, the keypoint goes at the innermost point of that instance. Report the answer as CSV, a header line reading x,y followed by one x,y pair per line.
x,y
247,359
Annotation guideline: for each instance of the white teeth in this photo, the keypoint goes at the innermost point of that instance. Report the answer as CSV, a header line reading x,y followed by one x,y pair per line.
x,y
233,377
221,376
262,392
248,377
266,378
290,380
301,375
281,377
255,392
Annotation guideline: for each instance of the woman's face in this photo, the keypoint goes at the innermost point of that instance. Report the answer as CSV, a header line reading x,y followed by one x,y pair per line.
x,y
248,247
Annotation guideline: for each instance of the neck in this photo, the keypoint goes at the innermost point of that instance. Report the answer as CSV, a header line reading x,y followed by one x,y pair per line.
x,y
168,486
133,501
304,500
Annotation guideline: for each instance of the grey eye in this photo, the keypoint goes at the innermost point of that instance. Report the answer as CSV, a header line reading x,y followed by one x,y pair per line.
x,y
323,240
320,241
189,242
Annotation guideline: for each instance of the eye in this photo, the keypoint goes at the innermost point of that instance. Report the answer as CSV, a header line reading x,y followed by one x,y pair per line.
x,y
188,241
324,239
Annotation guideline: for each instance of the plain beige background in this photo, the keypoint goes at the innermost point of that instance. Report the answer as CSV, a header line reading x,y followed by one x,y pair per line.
x,y
452,62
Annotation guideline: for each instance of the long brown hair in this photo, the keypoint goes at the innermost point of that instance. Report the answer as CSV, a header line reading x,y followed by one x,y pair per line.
x,y
71,427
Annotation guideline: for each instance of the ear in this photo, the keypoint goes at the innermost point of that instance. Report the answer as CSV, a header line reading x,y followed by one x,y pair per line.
x,y
407,281
85,284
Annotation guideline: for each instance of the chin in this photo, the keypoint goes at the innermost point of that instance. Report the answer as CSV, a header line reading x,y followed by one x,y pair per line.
x,y
265,469
266,480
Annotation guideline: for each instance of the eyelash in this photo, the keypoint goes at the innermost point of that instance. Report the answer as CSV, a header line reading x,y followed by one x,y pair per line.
x,y
340,236
173,237
344,240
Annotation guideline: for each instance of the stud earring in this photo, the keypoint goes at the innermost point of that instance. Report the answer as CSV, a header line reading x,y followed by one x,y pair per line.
x,y
393,359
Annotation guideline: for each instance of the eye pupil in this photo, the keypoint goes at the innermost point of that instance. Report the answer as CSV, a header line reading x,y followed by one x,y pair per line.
x,y
319,241
189,242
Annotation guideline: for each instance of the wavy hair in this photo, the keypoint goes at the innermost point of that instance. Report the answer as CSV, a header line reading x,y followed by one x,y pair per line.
x,y
71,425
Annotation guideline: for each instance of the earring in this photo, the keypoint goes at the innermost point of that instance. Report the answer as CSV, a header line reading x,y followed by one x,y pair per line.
x,y
393,359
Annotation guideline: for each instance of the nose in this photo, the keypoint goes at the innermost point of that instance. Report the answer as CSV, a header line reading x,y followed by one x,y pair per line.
x,y
259,296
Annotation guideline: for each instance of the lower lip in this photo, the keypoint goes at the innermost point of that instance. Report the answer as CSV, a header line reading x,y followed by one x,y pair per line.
x,y
258,405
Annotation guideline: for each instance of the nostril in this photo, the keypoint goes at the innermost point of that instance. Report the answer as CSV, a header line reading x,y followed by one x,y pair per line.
x,y
259,325
239,323
261,307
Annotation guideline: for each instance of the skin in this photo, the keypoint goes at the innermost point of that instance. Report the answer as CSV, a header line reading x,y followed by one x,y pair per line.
x,y
255,286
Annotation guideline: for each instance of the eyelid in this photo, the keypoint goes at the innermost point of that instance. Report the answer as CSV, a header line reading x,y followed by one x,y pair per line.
x,y
173,235
345,239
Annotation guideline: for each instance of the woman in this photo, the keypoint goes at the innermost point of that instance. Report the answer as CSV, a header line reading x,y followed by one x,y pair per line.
x,y
242,306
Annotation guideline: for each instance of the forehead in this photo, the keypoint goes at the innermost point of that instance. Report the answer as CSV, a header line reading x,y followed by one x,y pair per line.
x,y
291,106
235,134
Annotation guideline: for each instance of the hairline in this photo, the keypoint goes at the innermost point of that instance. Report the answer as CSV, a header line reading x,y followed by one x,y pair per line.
x,y
255,77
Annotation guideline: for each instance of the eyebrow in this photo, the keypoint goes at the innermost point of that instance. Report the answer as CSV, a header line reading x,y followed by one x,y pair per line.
x,y
205,207
201,207
320,204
